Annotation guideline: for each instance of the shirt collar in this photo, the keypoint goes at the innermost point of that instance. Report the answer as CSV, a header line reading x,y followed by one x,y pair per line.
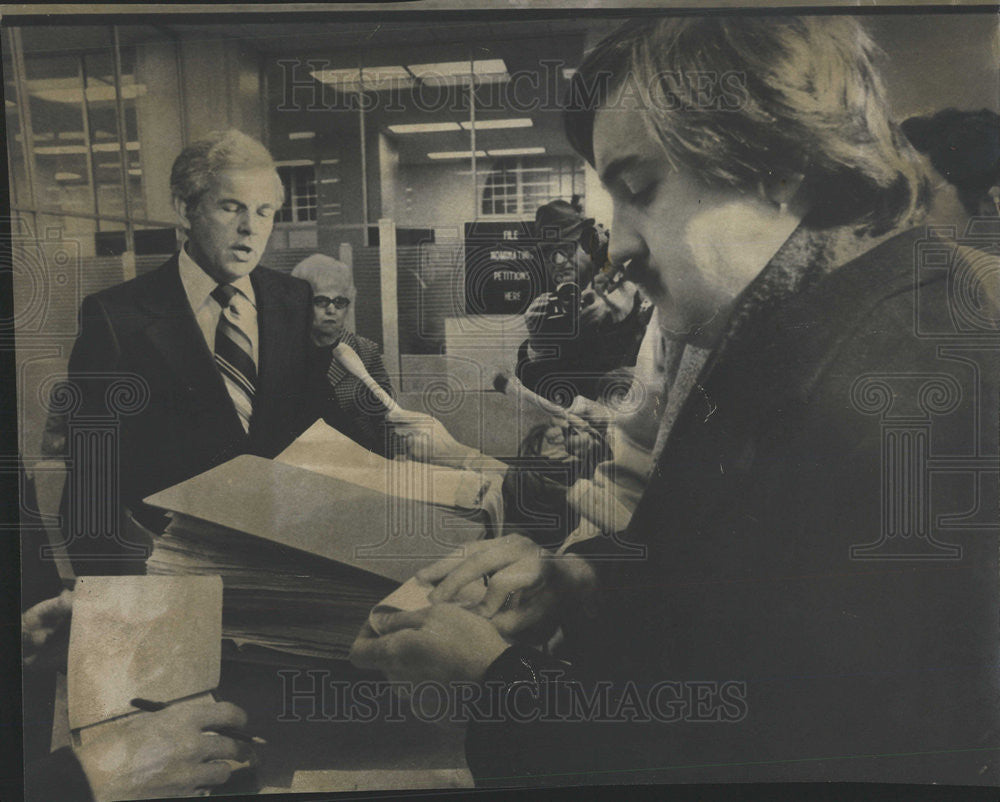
x,y
198,285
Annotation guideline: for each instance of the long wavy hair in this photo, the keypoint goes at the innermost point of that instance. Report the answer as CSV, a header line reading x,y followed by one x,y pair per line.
x,y
739,100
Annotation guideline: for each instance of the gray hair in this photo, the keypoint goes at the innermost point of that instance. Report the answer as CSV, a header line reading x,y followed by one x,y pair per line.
x,y
318,266
198,164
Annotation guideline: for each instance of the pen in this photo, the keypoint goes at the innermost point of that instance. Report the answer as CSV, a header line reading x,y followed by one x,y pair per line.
x,y
239,735
150,706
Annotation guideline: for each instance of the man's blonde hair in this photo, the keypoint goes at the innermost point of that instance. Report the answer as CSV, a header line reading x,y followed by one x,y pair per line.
x,y
200,162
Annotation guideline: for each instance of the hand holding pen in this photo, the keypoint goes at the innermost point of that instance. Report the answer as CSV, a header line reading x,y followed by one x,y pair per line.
x,y
235,733
170,754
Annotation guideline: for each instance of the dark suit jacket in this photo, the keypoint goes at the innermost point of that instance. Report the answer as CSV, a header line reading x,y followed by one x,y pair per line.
x,y
343,401
173,414
810,438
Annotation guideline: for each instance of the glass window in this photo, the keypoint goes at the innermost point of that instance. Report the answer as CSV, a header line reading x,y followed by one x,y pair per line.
x,y
59,137
500,194
105,138
517,187
300,194
17,175
77,142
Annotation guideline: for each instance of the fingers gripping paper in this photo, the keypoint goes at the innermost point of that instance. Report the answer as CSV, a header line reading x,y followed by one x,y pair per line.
x,y
322,449
154,637
412,595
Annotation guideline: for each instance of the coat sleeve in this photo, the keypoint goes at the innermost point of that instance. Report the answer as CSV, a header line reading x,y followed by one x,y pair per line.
x,y
526,739
96,351
95,357
56,776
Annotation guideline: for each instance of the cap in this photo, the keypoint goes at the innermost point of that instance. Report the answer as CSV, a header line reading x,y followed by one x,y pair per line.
x,y
560,221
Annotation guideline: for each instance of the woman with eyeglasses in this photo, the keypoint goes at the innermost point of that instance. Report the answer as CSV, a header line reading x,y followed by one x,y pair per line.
x,y
335,395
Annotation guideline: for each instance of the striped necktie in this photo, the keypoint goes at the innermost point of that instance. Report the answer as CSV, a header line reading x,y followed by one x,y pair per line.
x,y
234,353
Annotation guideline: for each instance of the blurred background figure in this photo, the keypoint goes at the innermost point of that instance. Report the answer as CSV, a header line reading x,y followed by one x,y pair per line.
x,y
608,474
964,147
335,395
583,326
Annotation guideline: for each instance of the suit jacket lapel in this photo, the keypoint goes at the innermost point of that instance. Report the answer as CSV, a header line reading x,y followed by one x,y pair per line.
x,y
275,328
175,334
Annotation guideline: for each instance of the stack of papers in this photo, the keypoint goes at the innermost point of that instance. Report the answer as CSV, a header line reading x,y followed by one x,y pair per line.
x,y
305,556
275,597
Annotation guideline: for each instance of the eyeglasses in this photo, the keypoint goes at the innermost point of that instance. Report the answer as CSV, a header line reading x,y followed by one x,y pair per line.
x,y
589,241
560,257
322,302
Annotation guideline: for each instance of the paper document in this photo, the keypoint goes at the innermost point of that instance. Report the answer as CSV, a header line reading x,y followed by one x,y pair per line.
x,y
303,556
153,637
322,449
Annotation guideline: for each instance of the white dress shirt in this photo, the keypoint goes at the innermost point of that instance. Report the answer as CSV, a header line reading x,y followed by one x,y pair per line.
x,y
198,287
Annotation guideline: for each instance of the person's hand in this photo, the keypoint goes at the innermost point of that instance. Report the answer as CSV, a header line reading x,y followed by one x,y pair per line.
x,y
553,443
567,441
440,643
563,442
426,440
596,311
166,754
602,308
580,444
527,583
45,632
538,311
595,414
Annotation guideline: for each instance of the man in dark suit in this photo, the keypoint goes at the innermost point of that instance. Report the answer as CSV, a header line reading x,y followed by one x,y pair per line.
x,y
190,365
336,395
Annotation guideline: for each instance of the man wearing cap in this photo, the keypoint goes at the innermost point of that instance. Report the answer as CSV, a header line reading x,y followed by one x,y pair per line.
x,y
583,326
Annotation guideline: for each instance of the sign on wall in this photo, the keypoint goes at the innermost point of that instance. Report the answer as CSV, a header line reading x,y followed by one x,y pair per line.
x,y
503,269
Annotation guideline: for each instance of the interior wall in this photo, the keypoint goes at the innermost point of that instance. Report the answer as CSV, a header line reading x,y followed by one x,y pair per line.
x,y
435,195
158,112
940,60
221,87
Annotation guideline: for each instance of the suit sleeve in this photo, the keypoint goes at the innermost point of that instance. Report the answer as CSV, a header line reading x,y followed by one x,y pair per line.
x,y
56,776
95,356
525,743
97,350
